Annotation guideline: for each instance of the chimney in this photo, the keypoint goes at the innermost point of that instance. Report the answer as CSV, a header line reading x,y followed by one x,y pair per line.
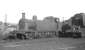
x,y
34,18
23,15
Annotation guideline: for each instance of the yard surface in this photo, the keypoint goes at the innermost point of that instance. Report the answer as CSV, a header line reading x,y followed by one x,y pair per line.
x,y
45,44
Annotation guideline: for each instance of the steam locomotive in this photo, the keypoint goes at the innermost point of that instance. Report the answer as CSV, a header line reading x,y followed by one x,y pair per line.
x,y
65,32
68,31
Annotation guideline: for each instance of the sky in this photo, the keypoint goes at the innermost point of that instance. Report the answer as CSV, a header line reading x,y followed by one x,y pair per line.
x,y
42,8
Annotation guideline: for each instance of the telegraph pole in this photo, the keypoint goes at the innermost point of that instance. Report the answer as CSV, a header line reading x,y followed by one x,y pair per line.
x,y
5,24
5,19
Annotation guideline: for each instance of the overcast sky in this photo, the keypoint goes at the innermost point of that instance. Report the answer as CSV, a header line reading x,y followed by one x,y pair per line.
x,y
41,8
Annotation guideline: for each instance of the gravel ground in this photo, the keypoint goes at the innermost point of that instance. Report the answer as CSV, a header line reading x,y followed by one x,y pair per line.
x,y
45,44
